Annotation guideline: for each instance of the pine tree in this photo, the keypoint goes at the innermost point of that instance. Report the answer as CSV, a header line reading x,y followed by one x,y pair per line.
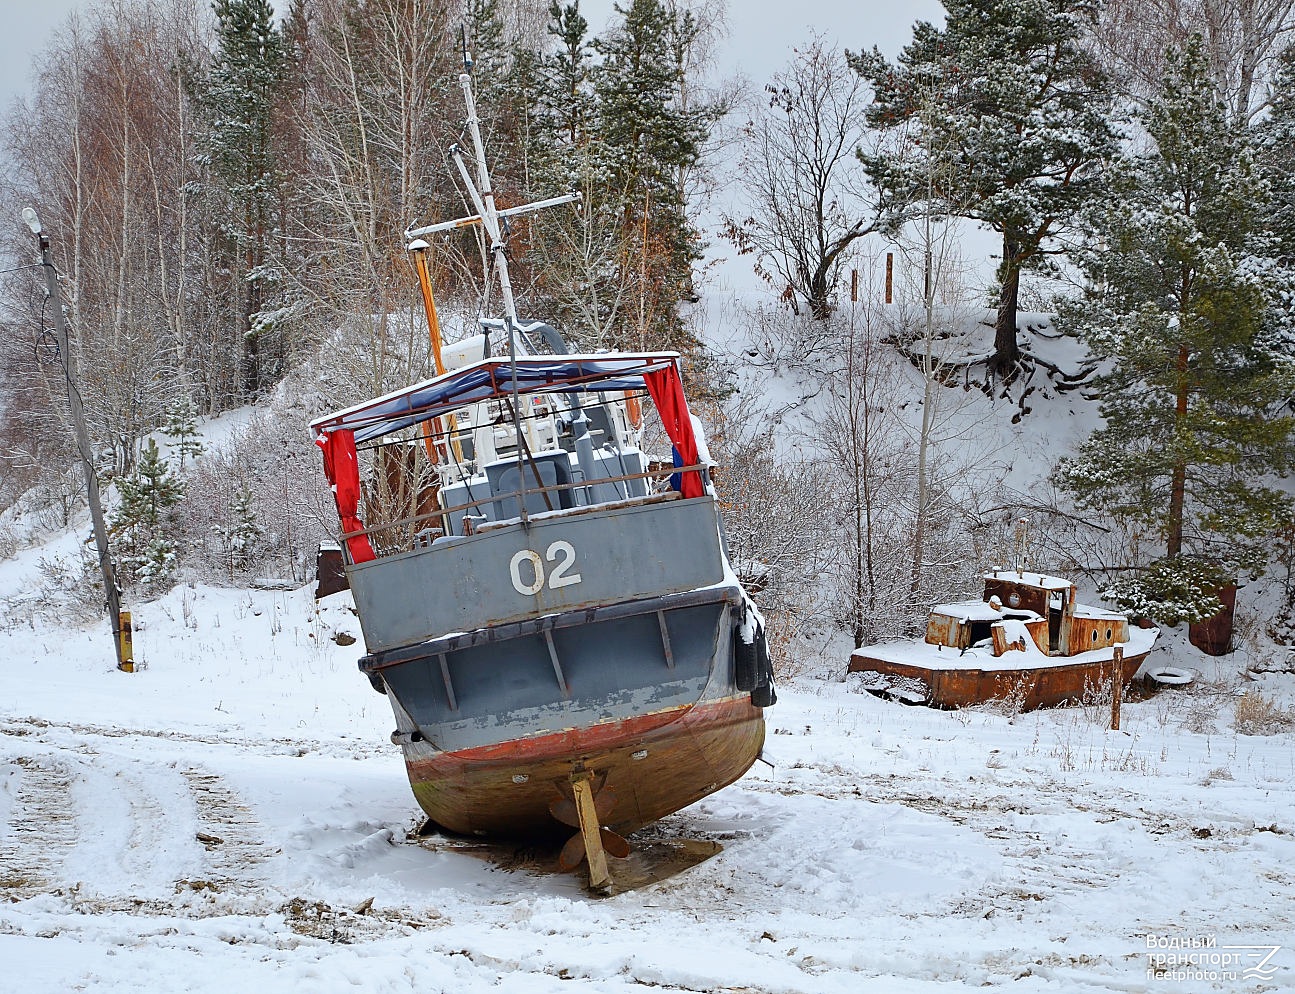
x,y
1011,104
181,426
1181,310
493,79
575,257
238,98
564,98
649,139
243,537
1275,149
144,523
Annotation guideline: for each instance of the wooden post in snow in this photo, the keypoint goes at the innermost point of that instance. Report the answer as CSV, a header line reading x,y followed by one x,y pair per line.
x,y
1117,686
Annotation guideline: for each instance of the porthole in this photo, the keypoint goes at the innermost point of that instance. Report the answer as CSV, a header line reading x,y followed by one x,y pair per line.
x,y
1014,599
1108,635
1094,636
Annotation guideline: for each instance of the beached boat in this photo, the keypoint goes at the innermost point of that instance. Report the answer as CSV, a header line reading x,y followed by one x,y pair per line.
x,y
550,610
1027,641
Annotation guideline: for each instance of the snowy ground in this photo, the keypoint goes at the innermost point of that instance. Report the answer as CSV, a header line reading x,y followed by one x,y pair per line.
x,y
232,818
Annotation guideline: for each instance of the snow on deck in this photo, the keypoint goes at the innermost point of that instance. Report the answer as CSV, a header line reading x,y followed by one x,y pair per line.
x,y
982,611
981,656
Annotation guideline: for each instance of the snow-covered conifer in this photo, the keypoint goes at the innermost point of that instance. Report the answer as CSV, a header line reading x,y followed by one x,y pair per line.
x,y
144,524
653,138
1011,106
181,426
238,97
1183,282
243,536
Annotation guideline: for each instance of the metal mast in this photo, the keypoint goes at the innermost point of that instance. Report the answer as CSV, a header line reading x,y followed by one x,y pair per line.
x,y
488,216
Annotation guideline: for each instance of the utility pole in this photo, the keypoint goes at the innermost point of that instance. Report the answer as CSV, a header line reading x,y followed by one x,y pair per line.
x,y
120,621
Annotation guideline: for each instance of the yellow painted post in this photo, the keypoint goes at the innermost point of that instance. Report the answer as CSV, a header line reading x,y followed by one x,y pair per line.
x,y
126,643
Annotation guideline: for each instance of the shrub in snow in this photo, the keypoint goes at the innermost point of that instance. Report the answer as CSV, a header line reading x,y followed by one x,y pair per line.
x,y
258,502
1260,715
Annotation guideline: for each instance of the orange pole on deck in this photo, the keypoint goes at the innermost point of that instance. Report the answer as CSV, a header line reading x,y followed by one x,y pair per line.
x,y
419,248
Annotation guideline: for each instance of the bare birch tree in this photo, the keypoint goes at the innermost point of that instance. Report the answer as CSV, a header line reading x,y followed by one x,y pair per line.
x,y
97,159
802,180
1243,40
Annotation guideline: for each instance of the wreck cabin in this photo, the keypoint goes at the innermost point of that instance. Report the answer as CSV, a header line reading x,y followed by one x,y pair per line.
x,y
1045,605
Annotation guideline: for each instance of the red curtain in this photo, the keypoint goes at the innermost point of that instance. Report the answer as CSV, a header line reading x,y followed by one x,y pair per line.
x,y
667,393
342,467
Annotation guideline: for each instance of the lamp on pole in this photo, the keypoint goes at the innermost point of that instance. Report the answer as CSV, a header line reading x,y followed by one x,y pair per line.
x,y
120,621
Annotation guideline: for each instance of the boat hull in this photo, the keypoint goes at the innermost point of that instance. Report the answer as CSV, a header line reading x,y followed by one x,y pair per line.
x,y
1027,688
645,697
651,769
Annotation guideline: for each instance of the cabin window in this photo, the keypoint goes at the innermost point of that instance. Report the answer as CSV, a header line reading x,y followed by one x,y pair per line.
x,y
1014,599
1108,635
1094,635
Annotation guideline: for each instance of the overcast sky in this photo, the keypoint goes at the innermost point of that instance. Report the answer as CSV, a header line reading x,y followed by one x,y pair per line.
x,y
24,31
761,32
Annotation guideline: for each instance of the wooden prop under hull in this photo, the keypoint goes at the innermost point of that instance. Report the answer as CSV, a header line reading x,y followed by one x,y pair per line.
x,y
651,768
1033,687
653,858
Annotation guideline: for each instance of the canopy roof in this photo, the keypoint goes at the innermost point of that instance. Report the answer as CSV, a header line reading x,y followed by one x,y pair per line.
x,y
658,372
493,378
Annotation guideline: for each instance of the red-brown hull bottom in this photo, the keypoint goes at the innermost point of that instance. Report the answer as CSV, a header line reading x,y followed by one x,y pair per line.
x,y
506,790
1027,689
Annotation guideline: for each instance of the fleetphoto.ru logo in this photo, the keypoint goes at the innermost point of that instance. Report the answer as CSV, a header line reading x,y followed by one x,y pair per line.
x,y
1200,957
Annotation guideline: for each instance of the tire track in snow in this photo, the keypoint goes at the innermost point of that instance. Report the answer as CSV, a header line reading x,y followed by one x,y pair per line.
x,y
41,829
359,748
139,827
227,828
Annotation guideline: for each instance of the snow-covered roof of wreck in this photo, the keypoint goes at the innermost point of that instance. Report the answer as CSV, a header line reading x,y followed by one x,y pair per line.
x,y
982,611
1030,579
1027,655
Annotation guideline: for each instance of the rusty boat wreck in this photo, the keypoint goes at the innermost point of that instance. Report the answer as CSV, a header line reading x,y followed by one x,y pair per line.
x,y
1027,641
549,608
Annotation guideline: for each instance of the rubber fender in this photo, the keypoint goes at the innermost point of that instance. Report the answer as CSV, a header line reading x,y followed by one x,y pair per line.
x,y
762,694
745,660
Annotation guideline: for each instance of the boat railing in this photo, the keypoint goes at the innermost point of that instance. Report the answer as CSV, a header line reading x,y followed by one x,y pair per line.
x,y
415,531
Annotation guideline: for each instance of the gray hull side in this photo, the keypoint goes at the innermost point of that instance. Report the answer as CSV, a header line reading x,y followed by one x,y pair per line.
x,y
553,565
606,671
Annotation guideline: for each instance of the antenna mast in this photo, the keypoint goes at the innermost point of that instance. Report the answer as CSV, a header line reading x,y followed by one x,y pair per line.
x,y
488,216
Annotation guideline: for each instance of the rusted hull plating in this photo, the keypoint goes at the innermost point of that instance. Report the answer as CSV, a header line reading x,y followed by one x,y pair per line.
x,y
1027,688
653,765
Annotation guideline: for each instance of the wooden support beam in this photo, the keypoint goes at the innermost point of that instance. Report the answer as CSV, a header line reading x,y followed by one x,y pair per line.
x,y
1117,686
599,876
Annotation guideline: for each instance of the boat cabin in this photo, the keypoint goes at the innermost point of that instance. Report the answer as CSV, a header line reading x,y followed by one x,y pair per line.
x,y
1017,603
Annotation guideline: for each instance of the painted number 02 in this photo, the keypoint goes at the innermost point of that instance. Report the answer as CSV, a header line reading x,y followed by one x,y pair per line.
x,y
561,553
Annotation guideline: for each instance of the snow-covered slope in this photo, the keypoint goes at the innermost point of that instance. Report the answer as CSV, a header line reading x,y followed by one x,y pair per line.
x,y
221,819
232,817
